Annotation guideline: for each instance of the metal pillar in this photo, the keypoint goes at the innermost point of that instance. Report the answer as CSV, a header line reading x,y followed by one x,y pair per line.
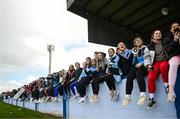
x,y
65,98
50,48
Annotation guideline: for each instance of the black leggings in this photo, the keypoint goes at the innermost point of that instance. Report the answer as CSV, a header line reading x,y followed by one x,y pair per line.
x,y
50,91
35,94
61,90
41,93
67,89
139,75
82,84
109,81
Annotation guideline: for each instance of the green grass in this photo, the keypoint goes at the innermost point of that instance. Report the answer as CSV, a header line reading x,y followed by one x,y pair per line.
x,y
11,111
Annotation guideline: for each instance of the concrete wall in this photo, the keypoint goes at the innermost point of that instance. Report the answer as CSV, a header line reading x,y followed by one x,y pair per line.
x,y
107,109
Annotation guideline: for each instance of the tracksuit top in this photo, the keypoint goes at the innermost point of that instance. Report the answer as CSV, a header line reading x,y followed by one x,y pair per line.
x,y
85,72
125,61
139,58
114,69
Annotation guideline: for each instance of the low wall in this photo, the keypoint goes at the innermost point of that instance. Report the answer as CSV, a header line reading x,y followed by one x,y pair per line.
x,y
107,109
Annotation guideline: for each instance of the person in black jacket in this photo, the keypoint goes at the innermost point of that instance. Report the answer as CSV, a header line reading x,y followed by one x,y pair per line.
x,y
172,47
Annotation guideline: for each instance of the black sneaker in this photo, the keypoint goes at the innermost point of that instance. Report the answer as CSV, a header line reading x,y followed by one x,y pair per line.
x,y
151,103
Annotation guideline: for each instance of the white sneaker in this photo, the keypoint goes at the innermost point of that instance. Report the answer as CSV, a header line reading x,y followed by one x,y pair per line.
x,y
73,97
94,98
35,101
48,99
26,99
60,98
39,100
77,95
111,95
126,101
82,99
115,96
52,99
142,100
171,97
31,99
42,100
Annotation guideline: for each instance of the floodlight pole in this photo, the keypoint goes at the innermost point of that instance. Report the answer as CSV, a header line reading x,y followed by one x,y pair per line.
x,y
50,49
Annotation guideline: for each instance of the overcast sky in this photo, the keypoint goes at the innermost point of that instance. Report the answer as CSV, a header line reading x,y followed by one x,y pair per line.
x,y
26,27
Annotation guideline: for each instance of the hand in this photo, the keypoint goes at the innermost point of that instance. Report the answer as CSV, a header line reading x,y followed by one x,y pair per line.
x,y
109,65
138,65
120,52
91,81
150,68
176,36
97,69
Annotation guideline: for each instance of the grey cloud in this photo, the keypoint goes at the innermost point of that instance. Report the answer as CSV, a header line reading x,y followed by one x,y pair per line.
x,y
13,52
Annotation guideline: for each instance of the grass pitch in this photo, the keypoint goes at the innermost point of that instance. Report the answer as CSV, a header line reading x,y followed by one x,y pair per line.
x,y
11,111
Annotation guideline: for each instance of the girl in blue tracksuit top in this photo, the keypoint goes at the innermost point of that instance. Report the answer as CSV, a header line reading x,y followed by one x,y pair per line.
x,y
84,80
113,65
113,68
137,71
125,59
101,76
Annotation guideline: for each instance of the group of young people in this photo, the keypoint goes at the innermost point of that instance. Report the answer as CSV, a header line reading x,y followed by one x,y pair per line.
x,y
161,56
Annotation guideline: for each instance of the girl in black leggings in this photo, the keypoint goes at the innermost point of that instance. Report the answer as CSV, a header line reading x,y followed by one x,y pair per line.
x,y
103,76
137,71
84,80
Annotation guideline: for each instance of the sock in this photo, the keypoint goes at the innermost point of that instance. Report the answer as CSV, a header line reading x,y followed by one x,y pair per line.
x,y
142,94
171,89
151,95
128,95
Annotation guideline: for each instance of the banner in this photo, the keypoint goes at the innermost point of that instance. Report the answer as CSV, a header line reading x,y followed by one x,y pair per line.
x,y
18,94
